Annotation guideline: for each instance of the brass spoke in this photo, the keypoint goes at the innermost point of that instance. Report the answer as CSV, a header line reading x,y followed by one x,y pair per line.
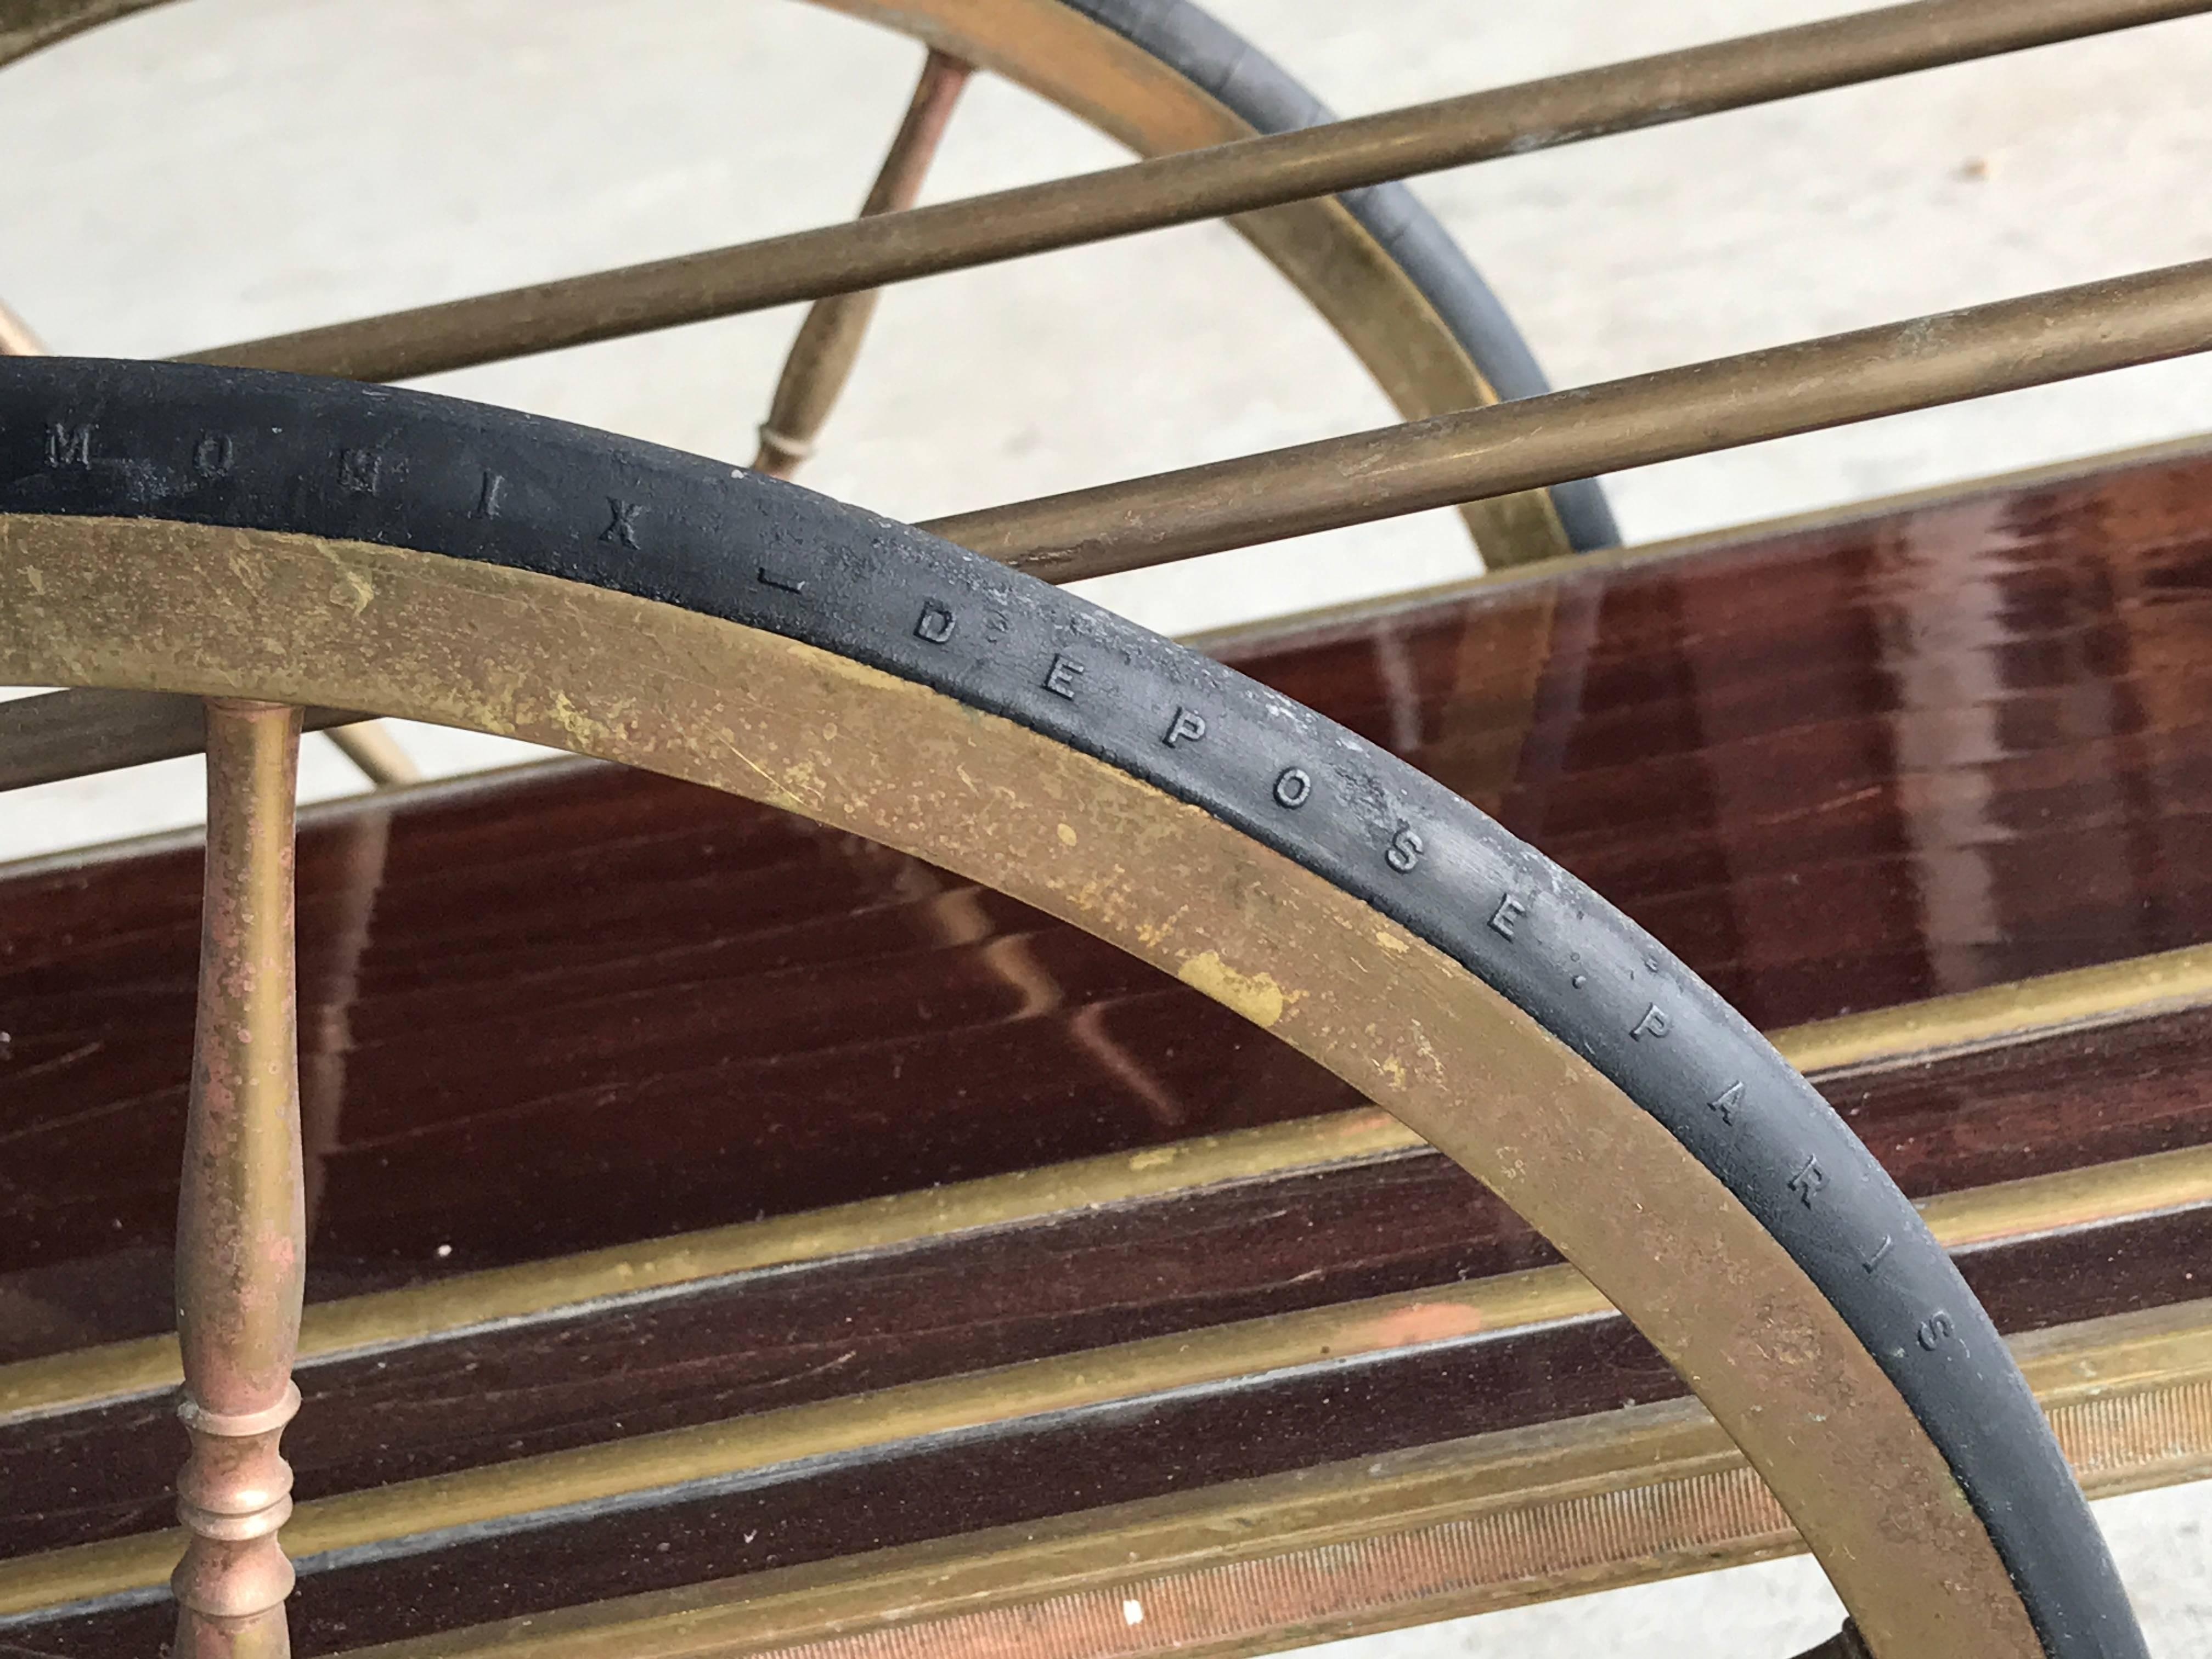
x,y
828,342
1174,190
73,734
375,752
242,1234
1637,421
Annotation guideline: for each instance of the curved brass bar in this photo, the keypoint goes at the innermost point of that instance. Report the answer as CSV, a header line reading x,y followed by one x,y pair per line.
x,y
122,603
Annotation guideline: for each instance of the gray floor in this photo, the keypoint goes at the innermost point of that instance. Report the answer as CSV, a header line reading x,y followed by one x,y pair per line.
x,y
230,167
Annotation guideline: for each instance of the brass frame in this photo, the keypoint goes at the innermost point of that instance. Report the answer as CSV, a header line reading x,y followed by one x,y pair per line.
x,y
1210,184
1474,1076
1493,462
398,631
1126,1374
1727,402
2082,999
1467,1527
242,1227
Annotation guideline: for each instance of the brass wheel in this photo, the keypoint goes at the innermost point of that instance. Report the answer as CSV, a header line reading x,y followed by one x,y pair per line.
x,y
271,540
232,530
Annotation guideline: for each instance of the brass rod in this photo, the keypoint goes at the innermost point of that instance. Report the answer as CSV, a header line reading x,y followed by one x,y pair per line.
x,y
241,1234
1197,184
375,753
72,734
1646,418
17,337
1379,1542
2074,1366
829,341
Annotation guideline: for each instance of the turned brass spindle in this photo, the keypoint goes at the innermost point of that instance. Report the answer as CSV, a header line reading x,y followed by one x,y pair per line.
x,y
241,1234
828,342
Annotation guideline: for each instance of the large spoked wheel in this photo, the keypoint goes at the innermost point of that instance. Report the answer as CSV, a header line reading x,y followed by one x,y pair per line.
x,y
295,541
1163,76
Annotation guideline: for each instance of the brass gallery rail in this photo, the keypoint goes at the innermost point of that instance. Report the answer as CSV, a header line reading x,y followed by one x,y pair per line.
x,y
1199,184
1497,1520
2002,347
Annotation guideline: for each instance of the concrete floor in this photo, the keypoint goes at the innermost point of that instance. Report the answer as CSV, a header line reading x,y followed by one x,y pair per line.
x,y
233,168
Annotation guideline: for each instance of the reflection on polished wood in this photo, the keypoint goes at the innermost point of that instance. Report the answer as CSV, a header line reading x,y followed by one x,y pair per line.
x,y
1464,1527
1414,1530
2046,1029
1500,1521
2122,1233
1834,770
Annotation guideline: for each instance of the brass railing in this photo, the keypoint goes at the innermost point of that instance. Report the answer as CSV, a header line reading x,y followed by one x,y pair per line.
x,y
240,1236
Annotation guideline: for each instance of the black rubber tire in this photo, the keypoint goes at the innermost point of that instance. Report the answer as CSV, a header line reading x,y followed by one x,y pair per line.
x,y
336,459
1211,55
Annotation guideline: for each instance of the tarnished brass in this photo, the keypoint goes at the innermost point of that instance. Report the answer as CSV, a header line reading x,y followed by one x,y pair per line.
x,y
1443,1531
376,752
1128,1373
119,602
27,25
1236,177
85,1377
2077,1000
828,342
1218,641
1065,57
241,1232
1321,248
71,734
90,1376
1970,353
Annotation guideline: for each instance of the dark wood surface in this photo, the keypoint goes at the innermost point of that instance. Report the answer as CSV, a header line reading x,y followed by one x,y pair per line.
x,y
1133,1270
1834,770
915,1491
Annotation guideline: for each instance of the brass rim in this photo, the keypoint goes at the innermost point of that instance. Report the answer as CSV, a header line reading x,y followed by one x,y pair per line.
x,y
1706,1295
393,630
